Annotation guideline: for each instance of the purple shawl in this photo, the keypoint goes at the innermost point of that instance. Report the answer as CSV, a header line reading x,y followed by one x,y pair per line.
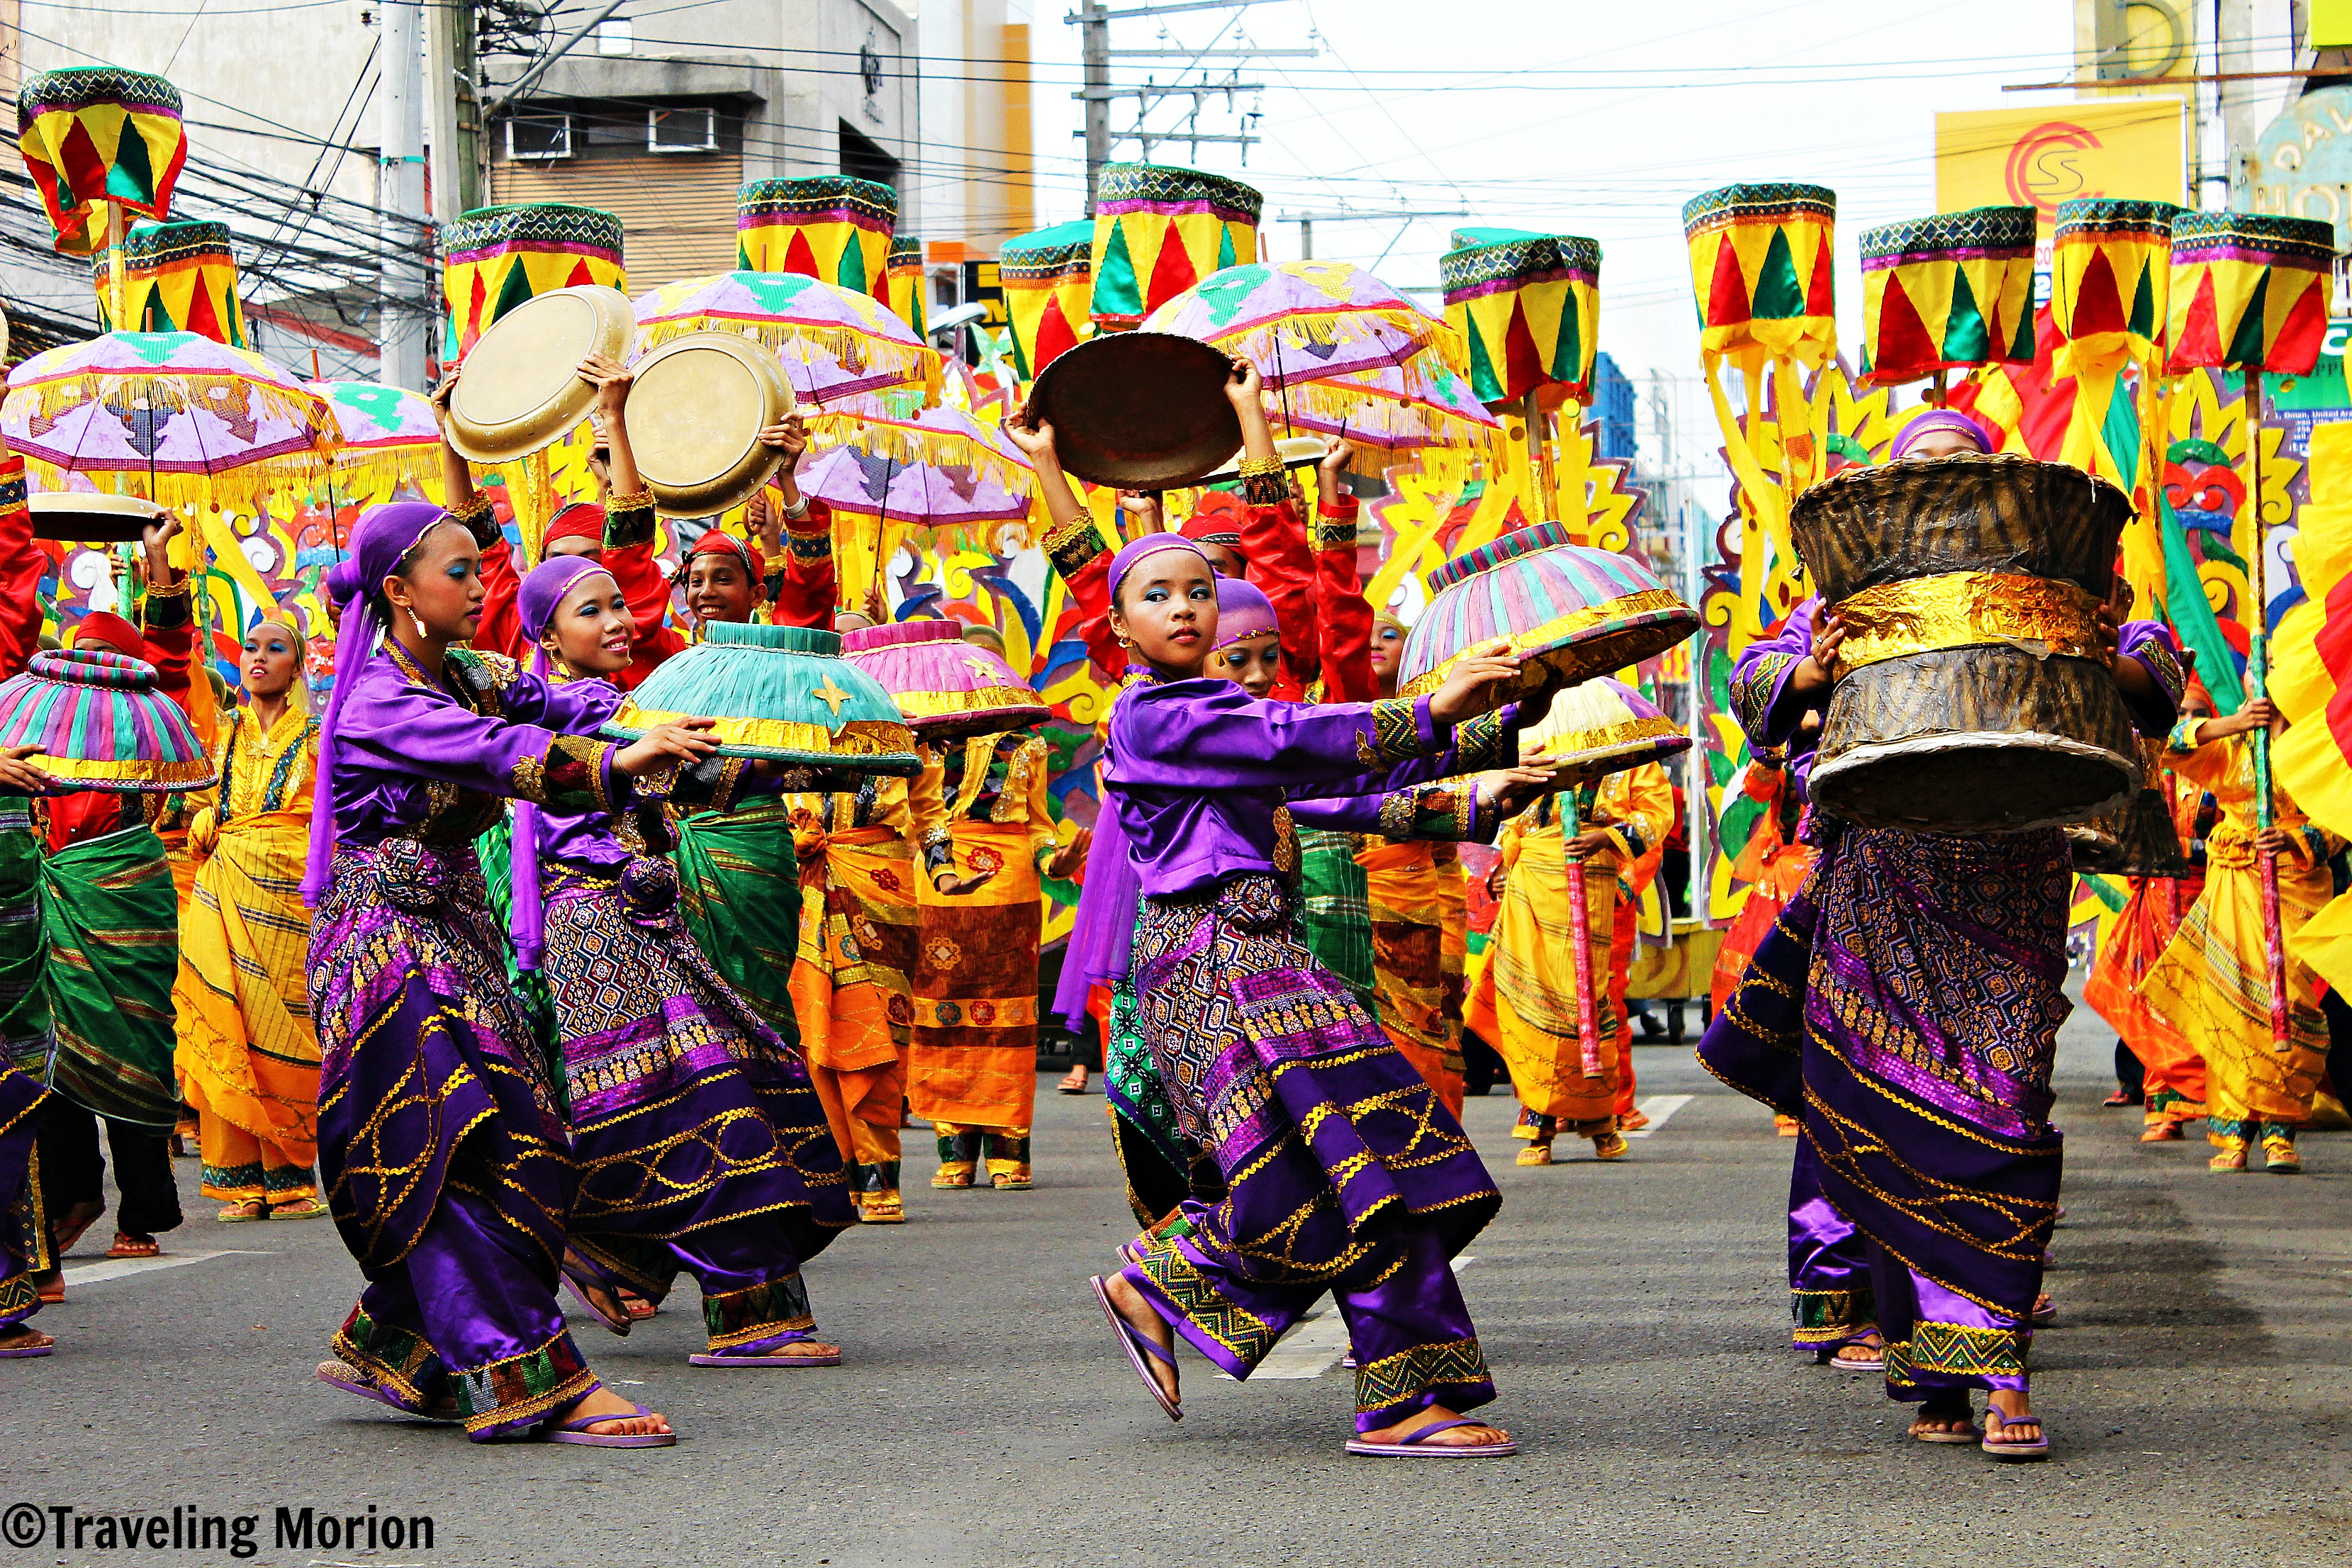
x,y
536,602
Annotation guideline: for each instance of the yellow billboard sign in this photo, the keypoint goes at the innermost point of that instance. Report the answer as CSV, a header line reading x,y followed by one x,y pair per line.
x,y
2122,148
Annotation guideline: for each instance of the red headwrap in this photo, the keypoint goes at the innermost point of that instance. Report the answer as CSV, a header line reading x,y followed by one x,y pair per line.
x,y
103,628
719,541
1217,520
580,520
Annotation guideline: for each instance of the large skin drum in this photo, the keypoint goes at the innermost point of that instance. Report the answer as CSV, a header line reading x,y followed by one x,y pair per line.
x,y
695,417
520,389
83,518
1970,693
1142,411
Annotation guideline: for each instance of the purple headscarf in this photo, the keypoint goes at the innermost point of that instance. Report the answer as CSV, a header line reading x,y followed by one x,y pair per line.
x,y
1242,611
1131,555
384,535
543,592
1939,419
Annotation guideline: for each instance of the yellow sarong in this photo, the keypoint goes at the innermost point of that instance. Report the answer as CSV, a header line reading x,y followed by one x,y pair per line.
x,y
1524,1004
974,1054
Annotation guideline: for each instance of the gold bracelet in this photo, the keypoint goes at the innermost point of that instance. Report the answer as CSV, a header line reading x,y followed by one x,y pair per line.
x,y
639,499
178,590
1257,467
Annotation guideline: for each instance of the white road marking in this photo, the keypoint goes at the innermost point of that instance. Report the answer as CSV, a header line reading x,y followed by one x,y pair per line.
x,y
117,1268
1315,1343
1660,1109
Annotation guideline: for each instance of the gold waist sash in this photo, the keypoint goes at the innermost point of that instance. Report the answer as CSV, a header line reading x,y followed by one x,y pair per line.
x,y
2040,615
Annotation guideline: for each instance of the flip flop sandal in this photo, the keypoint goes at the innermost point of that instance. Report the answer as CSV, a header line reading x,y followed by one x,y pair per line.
x,y
69,1229
125,1247
1067,1087
637,1307
316,1210
241,1214
1834,1355
740,1358
2041,1314
1415,1444
27,1352
1995,1423
351,1380
1968,1434
613,1318
51,1288
576,1431
1131,1340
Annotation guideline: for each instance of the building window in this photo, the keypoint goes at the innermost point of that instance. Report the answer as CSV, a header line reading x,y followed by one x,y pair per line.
x,y
681,130
539,138
863,158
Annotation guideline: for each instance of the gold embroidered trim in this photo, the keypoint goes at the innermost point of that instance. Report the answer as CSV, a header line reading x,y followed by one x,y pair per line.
x,y
1552,634
2040,615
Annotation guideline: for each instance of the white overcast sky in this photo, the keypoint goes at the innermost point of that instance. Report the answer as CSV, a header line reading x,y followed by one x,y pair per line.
x,y
1578,117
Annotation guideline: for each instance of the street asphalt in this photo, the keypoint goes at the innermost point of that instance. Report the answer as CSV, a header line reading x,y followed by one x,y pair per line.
x,y
2195,1384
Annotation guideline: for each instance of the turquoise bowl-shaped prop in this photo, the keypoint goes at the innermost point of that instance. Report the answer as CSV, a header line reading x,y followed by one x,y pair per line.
x,y
780,694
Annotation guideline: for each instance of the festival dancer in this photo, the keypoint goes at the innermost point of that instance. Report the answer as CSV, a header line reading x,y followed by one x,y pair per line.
x,y
1253,1040
1908,1000
2172,1072
110,910
26,1253
2212,979
247,1057
699,1145
972,1067
1524,1002
441,1143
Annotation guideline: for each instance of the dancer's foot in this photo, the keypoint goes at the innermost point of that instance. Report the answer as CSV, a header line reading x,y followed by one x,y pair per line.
x,y
2279,1157
2012,1429
1535,1155
1786,1126
134,1244
76,1220
2121,1097
1866,1352
24,1340
2231,1158
246,1213
1074,1080
2162,1132
50,1287
1608,1146
297,1209
624,1419
637,1307
815,1351
2045,1308
1474,1436
1631,1121
1136,1314
1945,1418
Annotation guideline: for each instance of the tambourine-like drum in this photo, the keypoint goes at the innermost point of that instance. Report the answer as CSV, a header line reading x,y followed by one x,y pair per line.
x,y
1296,452
520,389
80,517
1579,611
1971,693
695,417
1143,411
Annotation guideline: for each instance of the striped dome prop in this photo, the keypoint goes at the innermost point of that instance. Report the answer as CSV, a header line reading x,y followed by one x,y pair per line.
x,y
945,686
1580,611
1602,726
101,724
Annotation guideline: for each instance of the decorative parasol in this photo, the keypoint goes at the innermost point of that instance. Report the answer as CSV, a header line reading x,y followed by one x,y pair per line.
x,y
494,259
833,344
176,278
386,437
1160,229
201,421
101,724
943,469
1306,320
834,227
1387,407
2250,292
945,686
1048,278
782,693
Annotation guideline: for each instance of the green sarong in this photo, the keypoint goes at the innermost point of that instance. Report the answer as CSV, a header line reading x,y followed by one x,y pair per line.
x,y
1334,915
25,1034
739,887
112,923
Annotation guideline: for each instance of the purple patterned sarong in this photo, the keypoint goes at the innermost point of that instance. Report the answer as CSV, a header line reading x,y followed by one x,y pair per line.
x,y
1931,1005
700,1142
444,1155
23,1241
1344,1172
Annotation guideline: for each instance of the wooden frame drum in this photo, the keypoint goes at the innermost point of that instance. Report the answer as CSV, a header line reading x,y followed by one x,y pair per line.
x,y
520,390
695,417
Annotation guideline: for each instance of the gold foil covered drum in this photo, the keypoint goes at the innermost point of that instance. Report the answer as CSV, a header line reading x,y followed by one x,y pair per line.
x,y
520,389
695,417
1973,696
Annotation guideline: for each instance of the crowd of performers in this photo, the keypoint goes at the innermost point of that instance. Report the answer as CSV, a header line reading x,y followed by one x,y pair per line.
x,y
527,1010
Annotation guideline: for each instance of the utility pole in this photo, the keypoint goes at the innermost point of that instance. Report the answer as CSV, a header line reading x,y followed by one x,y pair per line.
x,y
453,127
1307,222
401,309
1093,20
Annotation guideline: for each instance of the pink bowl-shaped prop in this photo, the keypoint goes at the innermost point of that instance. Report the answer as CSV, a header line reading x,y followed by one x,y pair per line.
x,y
945,686
101,724
1582,612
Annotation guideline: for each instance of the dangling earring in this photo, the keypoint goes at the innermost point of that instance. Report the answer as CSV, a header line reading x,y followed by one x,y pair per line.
x,y
419,622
